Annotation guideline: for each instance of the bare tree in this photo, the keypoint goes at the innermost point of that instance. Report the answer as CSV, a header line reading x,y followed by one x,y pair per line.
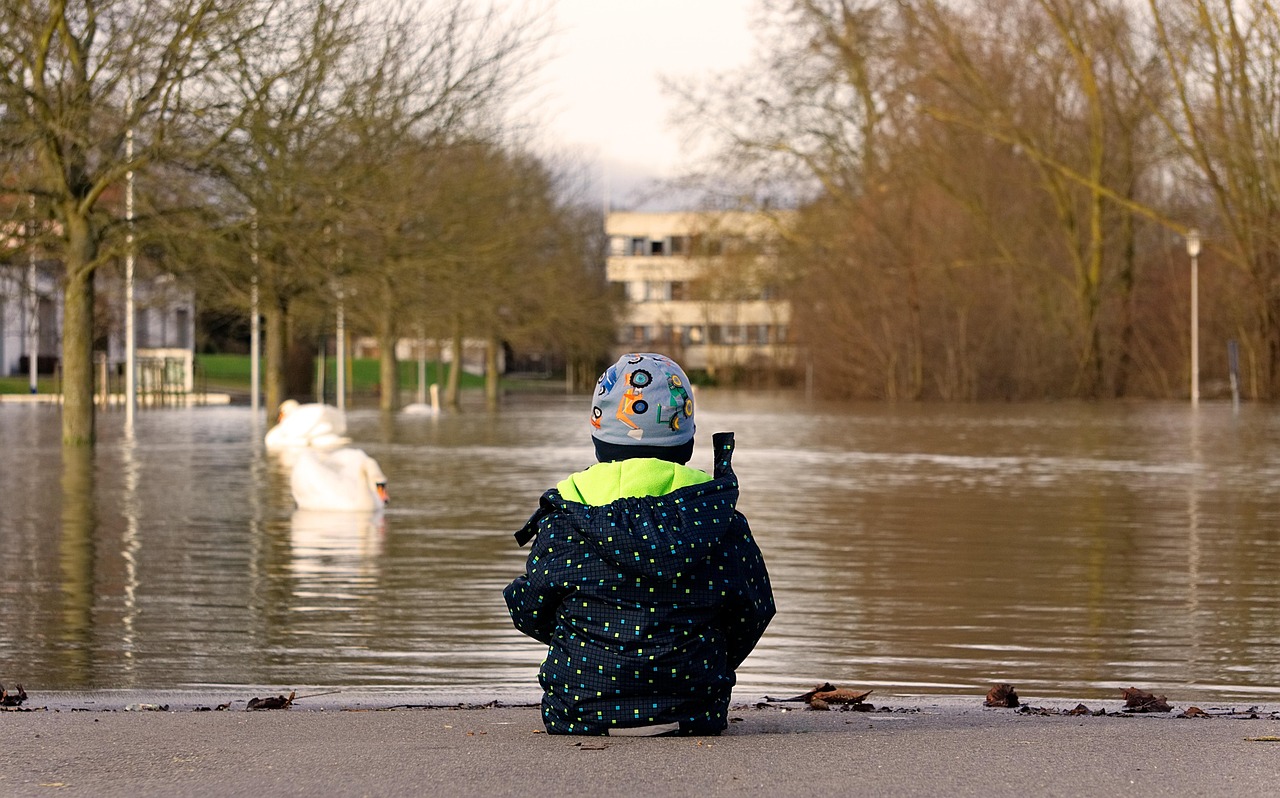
x,y
980,178
1223,59
75,78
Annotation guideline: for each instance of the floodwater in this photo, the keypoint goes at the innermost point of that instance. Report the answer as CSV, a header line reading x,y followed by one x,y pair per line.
x,y
1068,549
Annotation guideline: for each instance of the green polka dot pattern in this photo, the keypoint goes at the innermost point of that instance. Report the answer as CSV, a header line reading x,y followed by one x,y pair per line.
x,y
647,605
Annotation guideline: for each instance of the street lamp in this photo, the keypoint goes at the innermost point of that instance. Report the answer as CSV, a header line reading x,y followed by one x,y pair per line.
x,y
1193,249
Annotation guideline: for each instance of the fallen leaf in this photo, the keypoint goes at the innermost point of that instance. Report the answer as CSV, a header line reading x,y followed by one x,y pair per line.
x,y
1136,700
840,696
1002,695
8,699
272,702
825,687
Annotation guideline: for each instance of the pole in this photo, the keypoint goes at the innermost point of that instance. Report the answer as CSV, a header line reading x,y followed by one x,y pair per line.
x,y
130,322
341,354
33,308
33,295
255,339
422,369
1233,368
1193,249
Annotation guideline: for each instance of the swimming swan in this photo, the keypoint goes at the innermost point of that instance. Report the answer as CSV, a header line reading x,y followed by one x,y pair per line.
x,y
312,425
345,480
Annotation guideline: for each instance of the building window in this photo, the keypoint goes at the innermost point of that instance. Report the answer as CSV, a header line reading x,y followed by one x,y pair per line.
x,y
649,291
639,246
734,334
694,334
657,247
182,335
639,334
142,328
679,245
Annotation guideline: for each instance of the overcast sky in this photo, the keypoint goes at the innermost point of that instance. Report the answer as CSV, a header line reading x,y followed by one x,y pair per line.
x,y
599,91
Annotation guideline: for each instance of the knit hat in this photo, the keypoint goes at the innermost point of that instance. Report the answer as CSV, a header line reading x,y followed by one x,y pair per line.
x,y
643,407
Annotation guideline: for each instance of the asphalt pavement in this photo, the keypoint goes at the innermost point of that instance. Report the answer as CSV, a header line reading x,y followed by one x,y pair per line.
x,y
387,744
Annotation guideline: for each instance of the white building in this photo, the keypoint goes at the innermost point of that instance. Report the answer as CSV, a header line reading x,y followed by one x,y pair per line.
x,y
164,318
30,317
700,287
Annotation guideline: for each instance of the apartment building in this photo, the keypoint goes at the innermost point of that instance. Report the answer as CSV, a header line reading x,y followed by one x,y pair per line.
x,y
702,288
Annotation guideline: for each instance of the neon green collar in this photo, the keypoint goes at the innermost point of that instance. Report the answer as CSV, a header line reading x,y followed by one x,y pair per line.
x,y
605,483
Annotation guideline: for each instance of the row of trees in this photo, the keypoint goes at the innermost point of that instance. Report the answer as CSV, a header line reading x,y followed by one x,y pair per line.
x,y
995,192
296,154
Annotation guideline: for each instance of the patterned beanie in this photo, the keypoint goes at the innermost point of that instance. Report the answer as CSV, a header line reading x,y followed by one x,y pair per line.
x,y
643,407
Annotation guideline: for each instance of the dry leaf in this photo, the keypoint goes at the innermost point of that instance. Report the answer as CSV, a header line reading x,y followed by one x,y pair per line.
x,y
840,696
272,702
1002,695
1136,700
8,699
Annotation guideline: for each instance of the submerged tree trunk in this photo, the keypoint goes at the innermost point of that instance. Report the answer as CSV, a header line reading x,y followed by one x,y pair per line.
x,y
78,427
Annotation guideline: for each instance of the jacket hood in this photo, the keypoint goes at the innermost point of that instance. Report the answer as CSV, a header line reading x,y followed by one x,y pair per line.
x,y
605,483
653,535
656,536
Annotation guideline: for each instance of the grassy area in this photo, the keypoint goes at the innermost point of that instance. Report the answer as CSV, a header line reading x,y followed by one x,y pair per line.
x,y
231,372
22,384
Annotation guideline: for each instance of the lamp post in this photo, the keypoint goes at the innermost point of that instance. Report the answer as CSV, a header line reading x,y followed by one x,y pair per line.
x,y
1193,249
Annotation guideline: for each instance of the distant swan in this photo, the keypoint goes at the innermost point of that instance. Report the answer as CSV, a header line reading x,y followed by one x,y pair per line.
x,y
345,480
312,425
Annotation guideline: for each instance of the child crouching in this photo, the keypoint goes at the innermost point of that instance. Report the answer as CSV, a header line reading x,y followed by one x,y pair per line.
x,y
644,580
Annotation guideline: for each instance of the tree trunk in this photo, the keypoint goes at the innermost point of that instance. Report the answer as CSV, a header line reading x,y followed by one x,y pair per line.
x,y
77,337
491,375
455,367
388,370
273,371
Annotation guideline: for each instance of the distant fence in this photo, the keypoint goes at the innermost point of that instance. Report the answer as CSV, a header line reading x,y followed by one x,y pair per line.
x,y
165,378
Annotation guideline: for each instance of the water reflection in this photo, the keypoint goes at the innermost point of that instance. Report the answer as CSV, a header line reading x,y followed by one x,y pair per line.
x,y
1068,549
333,552
76,557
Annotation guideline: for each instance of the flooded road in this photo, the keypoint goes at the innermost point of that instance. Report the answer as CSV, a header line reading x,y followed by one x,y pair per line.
x,y
1068,549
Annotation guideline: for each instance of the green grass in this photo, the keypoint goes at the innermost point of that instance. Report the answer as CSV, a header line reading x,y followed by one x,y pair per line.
x,y
22,384
232,372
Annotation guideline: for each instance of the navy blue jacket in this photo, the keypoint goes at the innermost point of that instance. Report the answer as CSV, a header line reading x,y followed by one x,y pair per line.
x,y
648,605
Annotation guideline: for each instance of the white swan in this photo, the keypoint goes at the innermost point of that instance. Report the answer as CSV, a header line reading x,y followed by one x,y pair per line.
x,y
312,425
344,480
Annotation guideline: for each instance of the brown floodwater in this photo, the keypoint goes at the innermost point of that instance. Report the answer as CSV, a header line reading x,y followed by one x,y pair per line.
x,y
1068,549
